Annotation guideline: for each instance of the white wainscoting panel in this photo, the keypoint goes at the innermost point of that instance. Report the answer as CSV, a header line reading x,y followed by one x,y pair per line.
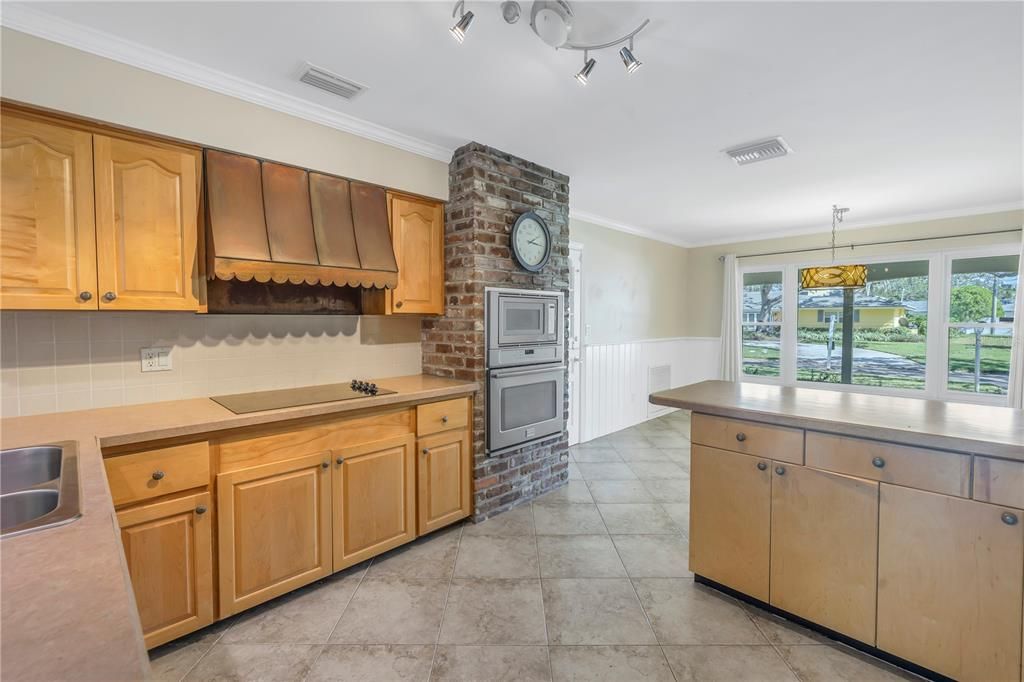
x,y
615,378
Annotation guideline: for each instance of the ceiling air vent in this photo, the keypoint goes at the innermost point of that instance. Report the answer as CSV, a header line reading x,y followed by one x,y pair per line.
x,y
762,150
330,82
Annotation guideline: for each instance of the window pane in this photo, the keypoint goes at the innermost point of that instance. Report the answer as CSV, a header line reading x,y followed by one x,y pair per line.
x,y
761,350
983,289
762,297
889,322
979,360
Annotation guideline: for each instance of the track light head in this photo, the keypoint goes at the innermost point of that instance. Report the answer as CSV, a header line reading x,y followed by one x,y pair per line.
x,y
584,73
458,31
629,61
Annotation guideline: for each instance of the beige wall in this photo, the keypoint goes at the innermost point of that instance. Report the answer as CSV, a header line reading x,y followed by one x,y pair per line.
x,y
704,270
632,286
46,74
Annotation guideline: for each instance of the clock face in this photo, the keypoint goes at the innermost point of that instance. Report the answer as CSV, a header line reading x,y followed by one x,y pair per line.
x,y
531,243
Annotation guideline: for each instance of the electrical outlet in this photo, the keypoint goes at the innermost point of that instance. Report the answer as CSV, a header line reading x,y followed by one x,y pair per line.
x,y
156,359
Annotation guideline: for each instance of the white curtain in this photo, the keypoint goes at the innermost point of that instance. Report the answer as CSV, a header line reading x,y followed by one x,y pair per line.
x,y
1017,353
731,361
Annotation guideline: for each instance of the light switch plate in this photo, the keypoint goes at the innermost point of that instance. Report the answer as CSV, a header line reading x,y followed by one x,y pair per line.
x,y
156,359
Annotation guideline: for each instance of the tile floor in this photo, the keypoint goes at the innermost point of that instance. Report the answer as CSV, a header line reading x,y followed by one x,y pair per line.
x,y
588,583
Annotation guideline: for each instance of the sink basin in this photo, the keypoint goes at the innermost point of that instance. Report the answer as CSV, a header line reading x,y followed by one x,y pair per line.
x,y
38,488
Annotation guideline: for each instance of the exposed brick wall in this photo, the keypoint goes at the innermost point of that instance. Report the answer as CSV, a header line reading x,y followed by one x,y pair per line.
x,y
488,190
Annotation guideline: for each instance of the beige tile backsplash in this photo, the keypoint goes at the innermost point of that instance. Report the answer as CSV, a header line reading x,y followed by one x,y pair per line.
x,y
55,362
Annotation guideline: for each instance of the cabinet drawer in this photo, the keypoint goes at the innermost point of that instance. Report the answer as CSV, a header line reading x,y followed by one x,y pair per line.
x,y
143,475
441,416
932,470
999,481
751,438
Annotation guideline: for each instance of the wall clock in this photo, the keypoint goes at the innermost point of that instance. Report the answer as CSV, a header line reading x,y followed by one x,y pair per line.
x,y
531,242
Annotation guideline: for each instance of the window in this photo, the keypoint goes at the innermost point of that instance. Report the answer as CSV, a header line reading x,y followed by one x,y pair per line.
x,y
981,305
762,323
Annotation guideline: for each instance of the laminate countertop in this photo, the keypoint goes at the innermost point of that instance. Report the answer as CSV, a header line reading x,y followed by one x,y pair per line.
x,y
67,611
977,429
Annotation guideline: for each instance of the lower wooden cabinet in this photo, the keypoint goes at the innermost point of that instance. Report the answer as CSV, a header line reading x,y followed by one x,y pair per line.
x,y
730,513
824,548
274,529
169,549
950,584
374,498
445,479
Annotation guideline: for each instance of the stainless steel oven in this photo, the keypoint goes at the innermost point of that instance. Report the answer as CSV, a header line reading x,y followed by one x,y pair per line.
x,y
525,404
524,327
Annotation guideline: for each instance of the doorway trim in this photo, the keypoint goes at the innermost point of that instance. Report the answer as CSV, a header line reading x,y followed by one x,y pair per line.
x,y
576,340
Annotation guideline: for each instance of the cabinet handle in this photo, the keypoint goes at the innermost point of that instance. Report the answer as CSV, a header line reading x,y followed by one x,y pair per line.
x,y
762,466
201,509
741,436
109,296
85,295
781,471
878,462
398,304
426,451
444,419
1009,519
324,465
340,460
157,475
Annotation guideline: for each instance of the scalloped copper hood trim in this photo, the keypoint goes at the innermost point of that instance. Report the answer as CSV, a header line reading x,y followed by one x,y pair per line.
x,y
298,273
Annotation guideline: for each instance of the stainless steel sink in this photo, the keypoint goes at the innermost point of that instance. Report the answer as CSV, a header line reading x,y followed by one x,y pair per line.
x,y
38,488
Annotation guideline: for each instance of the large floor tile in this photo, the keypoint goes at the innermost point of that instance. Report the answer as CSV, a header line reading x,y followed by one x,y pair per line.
x,y
601,611
174,659
568,519
609,664
494,612
679,512
654,556
728,664
377,662
605,454
636,518
627,437
393,611
619,492
668,440
491,663
669,489
496,556
430,557
575,492
838,664
685,613
680,456
574,472
780,631
579,556
637,454
593,471
256,662
518,521
657,470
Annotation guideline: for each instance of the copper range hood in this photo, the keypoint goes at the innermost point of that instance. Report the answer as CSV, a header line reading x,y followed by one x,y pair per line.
x,y
291,230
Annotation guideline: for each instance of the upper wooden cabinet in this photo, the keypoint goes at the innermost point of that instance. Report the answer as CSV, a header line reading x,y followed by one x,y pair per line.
x,y
95,222
47,235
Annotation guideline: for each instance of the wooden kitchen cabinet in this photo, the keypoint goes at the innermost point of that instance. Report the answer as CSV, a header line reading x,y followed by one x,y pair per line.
x,y
444,479
950,584
730,519
274,529
169,549
824,548
374,498
147,204
47,230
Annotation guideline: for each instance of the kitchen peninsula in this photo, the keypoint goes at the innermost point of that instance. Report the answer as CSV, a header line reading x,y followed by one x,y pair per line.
x,y
892,522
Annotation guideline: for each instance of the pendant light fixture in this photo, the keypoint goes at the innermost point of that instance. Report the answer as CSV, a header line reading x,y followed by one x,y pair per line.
x,y
584,73
458,31
834,276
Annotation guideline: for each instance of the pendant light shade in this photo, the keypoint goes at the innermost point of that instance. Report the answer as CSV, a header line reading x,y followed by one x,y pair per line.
x,y
459,29
629,61
584,73
834,277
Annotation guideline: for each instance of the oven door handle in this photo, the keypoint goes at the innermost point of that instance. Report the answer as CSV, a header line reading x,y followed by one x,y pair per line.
x,y
524,372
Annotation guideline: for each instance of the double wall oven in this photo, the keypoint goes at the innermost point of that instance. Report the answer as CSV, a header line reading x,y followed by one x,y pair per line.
x,y
525,366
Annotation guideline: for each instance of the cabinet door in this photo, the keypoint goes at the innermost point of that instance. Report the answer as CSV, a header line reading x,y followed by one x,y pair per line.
x,y
417,231
374,499
730,507
47,235
445,479
169,550
949,584
824,554
146,225
274,526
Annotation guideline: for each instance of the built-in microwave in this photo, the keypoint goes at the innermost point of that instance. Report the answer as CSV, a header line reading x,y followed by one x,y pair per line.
x,y
524,327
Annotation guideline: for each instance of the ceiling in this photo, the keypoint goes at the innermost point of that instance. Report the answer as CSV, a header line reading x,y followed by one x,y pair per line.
x,y
893,109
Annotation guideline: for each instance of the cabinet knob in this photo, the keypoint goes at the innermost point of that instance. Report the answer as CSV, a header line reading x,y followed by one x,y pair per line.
x,y
109,296
781,471
426,451
741,436
85,295
878,462
201,509
762,466
398,304
324,465
157,475
444,419
340,460
1009,519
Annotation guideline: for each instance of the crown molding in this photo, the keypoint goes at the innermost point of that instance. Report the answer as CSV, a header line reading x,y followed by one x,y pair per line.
x,y
19,17
628,229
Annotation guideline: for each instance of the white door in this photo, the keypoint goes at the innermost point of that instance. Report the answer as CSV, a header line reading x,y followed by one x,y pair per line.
x,y
575,341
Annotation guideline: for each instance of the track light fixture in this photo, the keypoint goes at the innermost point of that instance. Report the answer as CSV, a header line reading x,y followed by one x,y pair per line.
x,y
552,21
458,31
